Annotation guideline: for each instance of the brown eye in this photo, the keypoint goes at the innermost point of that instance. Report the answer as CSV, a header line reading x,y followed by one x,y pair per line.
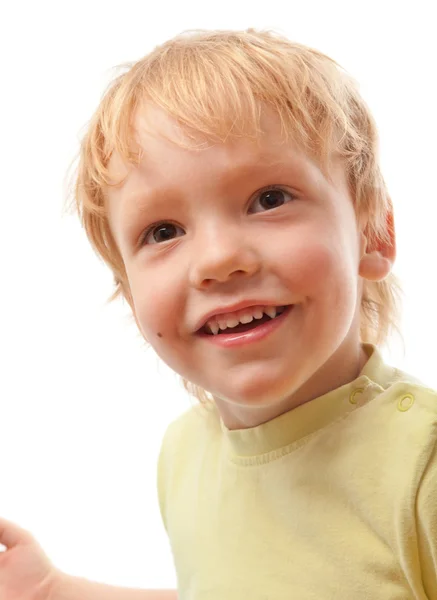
x,y
273,197
161,233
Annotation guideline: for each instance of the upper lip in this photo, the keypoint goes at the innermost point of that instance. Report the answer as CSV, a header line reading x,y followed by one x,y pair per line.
x,y
233,308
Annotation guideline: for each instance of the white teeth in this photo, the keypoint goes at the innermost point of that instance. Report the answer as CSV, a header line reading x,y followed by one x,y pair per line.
x,y
233,322
215,325
271,311
247,318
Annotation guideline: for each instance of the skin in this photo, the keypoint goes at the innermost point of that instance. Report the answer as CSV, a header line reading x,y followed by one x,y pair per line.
x,y
228,246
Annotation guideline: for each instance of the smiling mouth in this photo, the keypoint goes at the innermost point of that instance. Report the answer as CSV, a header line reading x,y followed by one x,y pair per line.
x,y
242,327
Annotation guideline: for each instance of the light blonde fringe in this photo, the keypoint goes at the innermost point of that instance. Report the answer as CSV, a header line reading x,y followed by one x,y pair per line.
x,y
214,84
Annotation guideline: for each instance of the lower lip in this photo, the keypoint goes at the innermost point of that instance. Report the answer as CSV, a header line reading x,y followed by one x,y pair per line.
x,y
228,340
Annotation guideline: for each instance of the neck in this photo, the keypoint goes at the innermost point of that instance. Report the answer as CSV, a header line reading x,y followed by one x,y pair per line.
x,y
343,367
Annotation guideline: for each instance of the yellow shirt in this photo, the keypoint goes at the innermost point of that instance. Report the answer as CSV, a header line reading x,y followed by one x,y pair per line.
x,y
336,499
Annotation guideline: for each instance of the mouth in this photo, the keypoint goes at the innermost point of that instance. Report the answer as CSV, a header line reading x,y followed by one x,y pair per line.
x,y
242,327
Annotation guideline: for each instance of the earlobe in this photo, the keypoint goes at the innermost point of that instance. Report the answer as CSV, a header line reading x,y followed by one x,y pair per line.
x,y
376,264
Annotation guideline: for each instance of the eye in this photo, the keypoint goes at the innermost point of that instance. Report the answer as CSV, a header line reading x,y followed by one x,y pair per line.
x,y
160,233
269,198
273,197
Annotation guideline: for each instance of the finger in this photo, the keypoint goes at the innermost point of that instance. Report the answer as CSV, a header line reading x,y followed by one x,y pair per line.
x,y
12,534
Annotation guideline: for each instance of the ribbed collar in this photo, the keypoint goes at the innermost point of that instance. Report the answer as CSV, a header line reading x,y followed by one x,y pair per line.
x,y
298,423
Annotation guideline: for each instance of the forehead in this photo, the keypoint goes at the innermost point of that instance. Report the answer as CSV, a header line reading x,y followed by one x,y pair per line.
x,y
164,145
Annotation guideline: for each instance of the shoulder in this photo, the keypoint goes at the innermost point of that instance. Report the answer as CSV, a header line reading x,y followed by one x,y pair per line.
x,y
410,392
200,420
396,388
415,394
409,410
397,425
190,433
185,445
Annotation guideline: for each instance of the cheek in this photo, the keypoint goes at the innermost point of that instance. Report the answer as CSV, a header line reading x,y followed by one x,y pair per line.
x,y
156,306
319,268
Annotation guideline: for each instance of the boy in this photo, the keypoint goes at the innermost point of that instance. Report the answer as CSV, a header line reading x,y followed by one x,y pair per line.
x,y
230,181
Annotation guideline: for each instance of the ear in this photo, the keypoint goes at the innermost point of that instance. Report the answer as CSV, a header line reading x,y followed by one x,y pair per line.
x,y
377,262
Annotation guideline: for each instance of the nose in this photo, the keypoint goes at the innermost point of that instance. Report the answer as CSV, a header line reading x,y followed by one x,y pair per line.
x,y
221,256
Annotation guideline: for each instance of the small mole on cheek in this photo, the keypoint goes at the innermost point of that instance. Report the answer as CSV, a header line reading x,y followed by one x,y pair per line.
x,y
159,334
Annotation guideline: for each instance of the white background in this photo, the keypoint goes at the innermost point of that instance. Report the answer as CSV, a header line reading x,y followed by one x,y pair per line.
x,y
83,405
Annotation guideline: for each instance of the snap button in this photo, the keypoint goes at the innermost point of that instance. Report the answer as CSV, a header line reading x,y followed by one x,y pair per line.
x,y
406,402
352,398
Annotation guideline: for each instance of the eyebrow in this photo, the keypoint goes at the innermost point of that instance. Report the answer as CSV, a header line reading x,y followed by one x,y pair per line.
x,y
233,173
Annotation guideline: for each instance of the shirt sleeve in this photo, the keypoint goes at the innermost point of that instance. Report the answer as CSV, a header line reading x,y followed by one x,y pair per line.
x,y
427,524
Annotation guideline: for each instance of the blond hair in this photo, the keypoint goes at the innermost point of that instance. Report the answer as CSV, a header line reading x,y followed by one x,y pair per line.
x,y
213,83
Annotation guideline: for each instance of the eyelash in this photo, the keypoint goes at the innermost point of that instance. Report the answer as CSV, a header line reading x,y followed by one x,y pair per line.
x,y
262,191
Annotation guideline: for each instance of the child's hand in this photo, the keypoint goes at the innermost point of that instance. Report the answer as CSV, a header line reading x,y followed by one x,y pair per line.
x,y
25,571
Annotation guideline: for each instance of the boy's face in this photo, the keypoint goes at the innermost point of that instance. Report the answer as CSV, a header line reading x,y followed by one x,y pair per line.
x,y
224,237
